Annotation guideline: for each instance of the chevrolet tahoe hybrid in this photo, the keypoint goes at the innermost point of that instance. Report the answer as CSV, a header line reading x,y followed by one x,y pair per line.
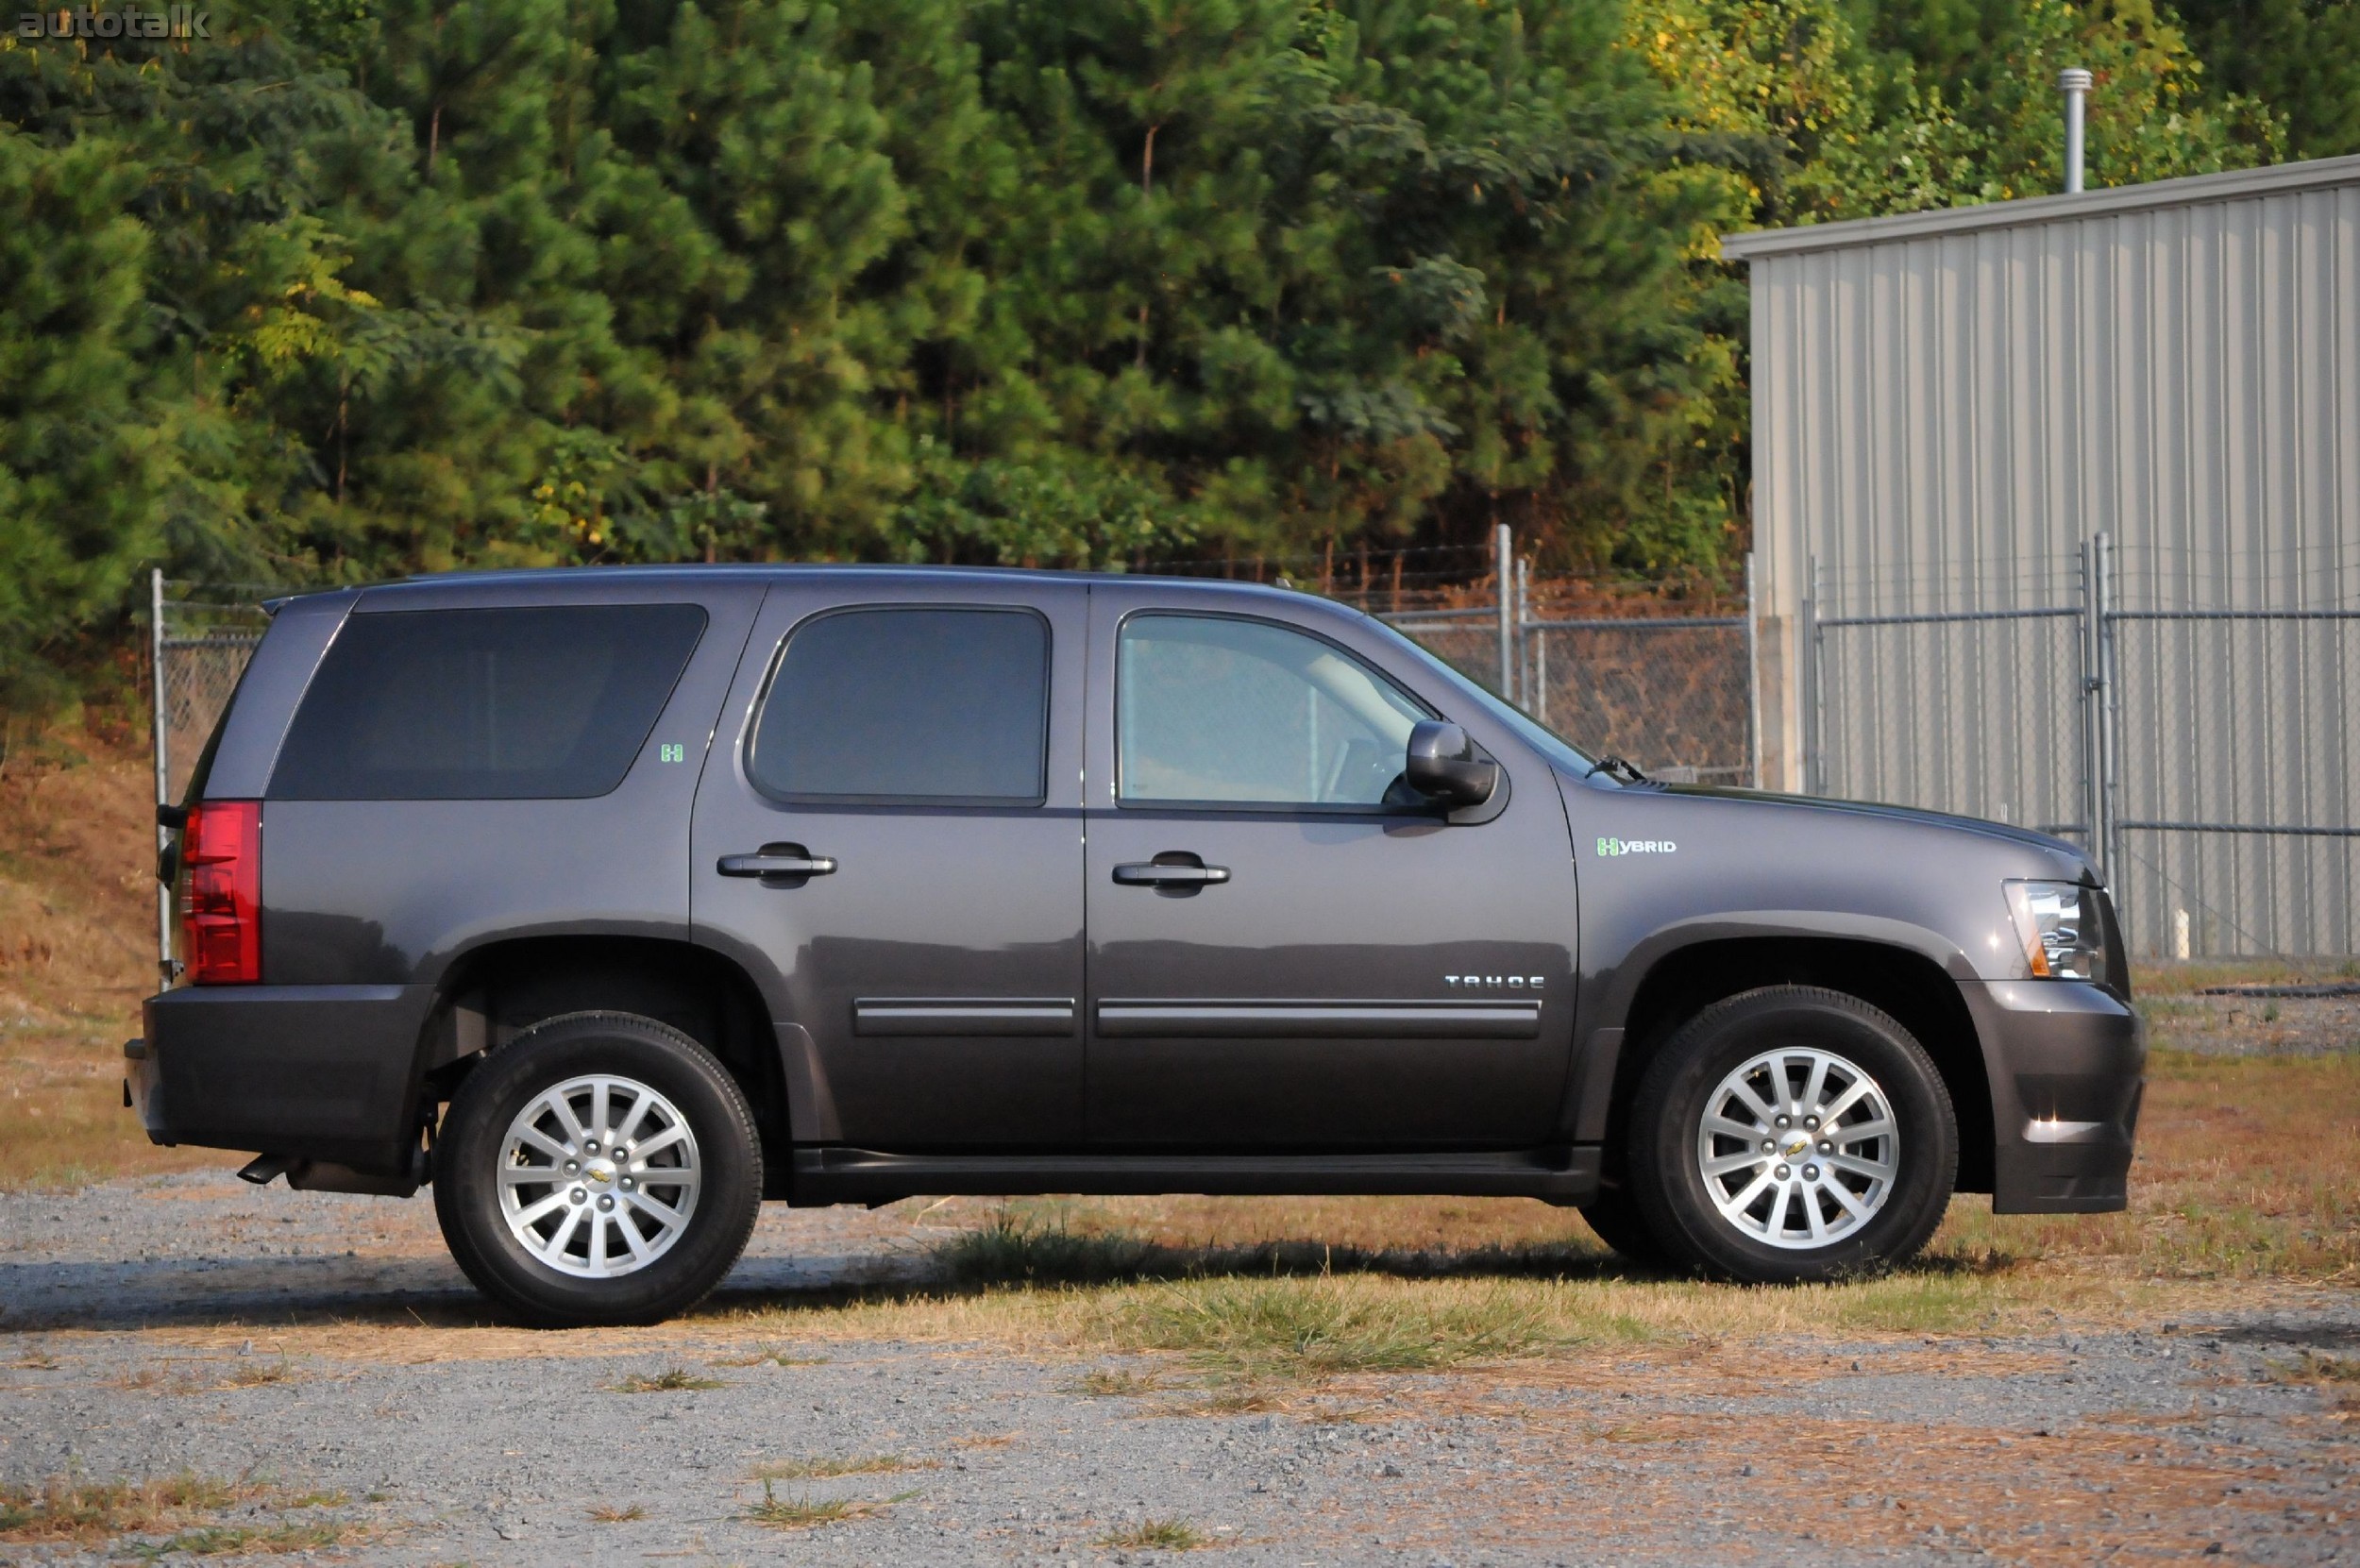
x,y
613,902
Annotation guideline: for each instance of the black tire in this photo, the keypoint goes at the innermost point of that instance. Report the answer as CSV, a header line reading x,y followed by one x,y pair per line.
x,y
1667,1119
1614,1215
469,1154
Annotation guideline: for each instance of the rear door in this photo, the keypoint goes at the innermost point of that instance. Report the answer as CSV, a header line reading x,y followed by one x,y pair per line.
x,y
1286,951
889,830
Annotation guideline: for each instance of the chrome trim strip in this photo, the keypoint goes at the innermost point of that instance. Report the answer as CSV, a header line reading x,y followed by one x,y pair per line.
x,y
1138,1017
965,1015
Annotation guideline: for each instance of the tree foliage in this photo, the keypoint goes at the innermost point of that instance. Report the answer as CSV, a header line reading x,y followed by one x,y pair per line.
x,y
363,287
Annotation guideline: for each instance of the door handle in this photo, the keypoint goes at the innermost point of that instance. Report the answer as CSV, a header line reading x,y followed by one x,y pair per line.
x,y
1172,872
777,860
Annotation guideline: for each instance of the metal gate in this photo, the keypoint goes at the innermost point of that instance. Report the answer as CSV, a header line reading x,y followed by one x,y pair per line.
x,y
2204,755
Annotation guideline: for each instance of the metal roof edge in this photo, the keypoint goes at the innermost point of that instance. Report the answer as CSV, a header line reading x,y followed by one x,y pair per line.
x,y
2235,184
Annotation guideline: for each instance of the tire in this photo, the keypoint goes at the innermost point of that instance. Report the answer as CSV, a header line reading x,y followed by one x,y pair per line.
x,y
1614,1215
1809,1207
592,1245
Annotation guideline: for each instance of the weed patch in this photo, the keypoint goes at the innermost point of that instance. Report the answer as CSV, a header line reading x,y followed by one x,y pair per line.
x,y
215,1540
770,1359
1320,1327
806,1512
828,1469
1159,1535
180,1508
670,1380
618,1516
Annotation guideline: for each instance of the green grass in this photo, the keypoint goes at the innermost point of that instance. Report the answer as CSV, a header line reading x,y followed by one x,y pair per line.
x,y
807,1512
670,1380
1320,1327
1160,1535
215,1540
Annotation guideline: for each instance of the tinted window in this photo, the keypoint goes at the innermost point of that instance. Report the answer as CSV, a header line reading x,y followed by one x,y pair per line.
x,y
1217,709
486,704
908,705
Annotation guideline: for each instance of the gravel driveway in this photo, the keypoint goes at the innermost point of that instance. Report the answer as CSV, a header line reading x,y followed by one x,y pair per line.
x,y
325,1345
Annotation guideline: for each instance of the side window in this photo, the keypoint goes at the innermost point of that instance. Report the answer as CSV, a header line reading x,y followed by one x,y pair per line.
x,y
908,705
547,702
1215,709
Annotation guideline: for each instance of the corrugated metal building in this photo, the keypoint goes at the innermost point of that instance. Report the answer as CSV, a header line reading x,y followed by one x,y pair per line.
x,y
1948,407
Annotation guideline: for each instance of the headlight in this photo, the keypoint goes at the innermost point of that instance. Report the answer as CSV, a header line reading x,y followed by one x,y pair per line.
x,y
2058,922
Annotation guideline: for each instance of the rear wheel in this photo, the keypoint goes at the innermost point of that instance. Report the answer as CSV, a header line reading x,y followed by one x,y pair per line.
x,y
601,1168
1792,1134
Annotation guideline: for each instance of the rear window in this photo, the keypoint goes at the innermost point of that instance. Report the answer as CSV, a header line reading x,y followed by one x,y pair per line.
x,y
911,705
542,703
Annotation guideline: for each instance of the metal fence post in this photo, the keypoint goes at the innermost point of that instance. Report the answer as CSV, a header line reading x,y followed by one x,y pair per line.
x,y
163,759
1814,767
1753,680
1503,547
2111,863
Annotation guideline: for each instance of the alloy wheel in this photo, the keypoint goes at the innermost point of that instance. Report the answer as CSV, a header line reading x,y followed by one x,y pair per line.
x,y
1798,1148
598,1176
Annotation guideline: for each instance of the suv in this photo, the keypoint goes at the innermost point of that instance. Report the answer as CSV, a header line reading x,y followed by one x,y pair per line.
x,y
614,902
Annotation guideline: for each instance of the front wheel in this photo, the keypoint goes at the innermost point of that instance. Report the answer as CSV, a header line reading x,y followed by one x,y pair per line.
x,y
599,1168
1792,1134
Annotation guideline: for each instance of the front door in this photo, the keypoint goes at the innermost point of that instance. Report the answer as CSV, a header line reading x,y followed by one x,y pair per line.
x,y
891,838
1288,951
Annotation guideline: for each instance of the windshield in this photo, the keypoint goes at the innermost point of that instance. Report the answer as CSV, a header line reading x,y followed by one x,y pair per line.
x,y
1530,730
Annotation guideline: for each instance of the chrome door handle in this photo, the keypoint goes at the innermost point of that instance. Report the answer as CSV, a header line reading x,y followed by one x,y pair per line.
x,y
1159,873
790,862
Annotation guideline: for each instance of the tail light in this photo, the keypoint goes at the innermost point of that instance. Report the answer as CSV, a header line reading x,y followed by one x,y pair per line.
x,y
220,913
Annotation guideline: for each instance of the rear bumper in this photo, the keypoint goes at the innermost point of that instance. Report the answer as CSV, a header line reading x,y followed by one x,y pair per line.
x,y
316,1072
2066,1063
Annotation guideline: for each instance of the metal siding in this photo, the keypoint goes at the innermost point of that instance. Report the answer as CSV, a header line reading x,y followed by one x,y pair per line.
x,y
1943,418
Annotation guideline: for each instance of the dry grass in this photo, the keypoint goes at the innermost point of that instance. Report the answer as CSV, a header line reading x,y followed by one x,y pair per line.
x,y
213,1539
1157,1535
180,1509
670,1380
803,1514
830,1469
770,1357
605,1515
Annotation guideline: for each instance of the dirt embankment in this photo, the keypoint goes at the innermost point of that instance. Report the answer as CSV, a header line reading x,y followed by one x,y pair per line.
x,y
77,951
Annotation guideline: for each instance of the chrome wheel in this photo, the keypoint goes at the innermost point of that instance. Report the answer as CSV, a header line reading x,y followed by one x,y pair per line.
x,y
1798,1148
598,1176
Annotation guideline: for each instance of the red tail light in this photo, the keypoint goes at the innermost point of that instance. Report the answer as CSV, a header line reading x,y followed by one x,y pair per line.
x,y
222,913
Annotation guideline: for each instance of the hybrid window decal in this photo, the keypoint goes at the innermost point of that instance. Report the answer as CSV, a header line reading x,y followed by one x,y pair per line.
x,y
908,704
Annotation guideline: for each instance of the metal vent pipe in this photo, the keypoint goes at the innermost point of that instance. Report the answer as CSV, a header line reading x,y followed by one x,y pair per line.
x,y
2076,83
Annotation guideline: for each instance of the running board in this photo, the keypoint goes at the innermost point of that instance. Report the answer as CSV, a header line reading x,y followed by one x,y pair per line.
x,y
836,1175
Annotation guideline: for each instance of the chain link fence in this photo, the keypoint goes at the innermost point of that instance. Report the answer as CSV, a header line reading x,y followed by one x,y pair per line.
x,y
1660,673
200,637
2203,751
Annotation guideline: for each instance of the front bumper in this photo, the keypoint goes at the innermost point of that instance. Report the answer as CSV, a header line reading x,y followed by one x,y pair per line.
x,y
312,1073
2066,1063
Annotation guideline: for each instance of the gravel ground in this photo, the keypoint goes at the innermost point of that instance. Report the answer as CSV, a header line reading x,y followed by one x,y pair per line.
x,y
325,1342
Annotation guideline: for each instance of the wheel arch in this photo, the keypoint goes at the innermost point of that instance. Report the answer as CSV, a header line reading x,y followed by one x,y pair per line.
x,y
490,994
1901,981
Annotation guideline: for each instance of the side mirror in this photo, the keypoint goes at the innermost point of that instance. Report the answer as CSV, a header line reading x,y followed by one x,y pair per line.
x,y
1443,766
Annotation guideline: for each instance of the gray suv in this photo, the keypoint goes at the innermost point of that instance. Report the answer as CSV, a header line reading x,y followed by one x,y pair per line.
x,y
613,902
